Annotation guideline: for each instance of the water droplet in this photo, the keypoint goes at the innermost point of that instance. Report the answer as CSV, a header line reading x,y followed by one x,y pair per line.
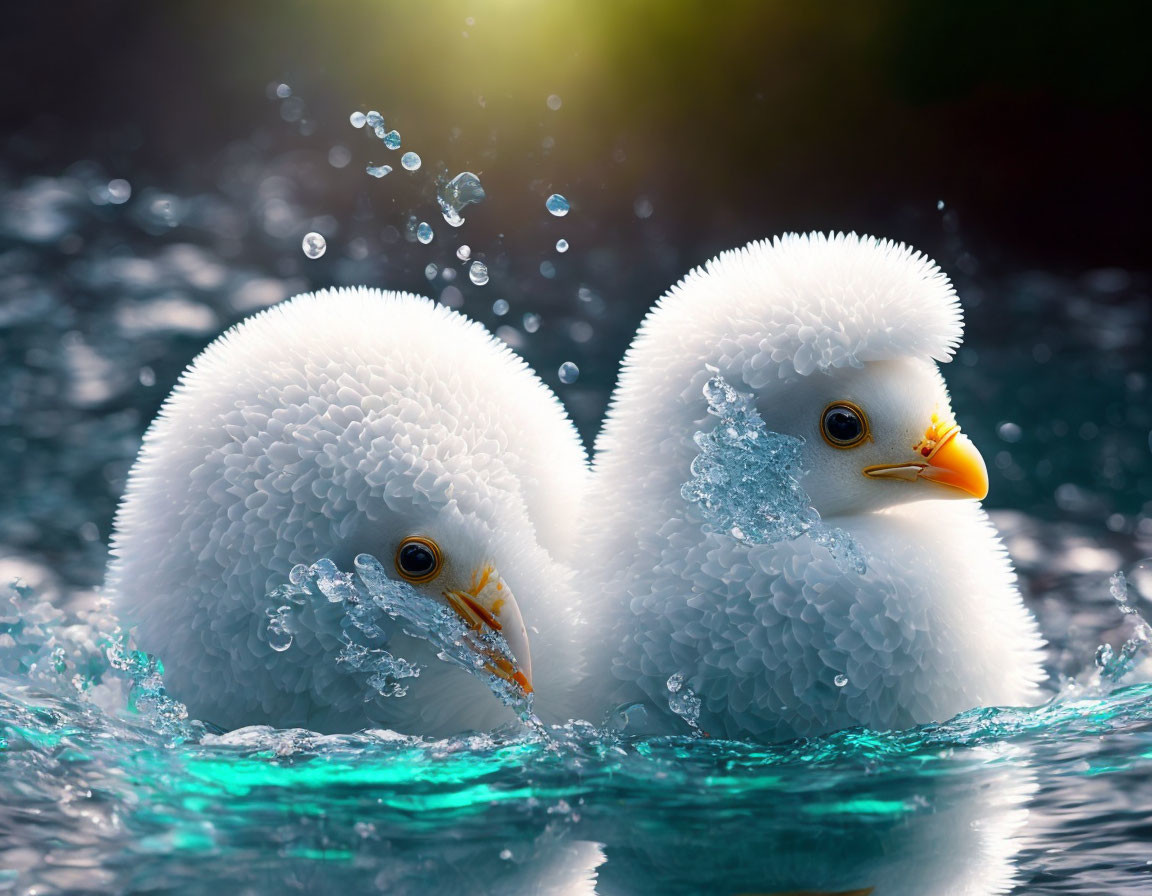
x,y
547,269
478,273
339,156
430,271
298,575
554,102
531,322
119,191
378,170
506,854
840,680
314,245
462,190
939,205
424,232
569,373
279,633
392,141
561,245
410,161
464,252
374,120
557,205
283,91
358,119
580,331
500,307
642,207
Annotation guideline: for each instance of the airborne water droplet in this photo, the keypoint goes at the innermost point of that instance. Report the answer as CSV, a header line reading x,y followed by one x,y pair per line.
x,y
561,245
569,373
478,273
314,245
840,680
358,119
464,252
500,307
557,205
378,170
392,141
410,161
424,233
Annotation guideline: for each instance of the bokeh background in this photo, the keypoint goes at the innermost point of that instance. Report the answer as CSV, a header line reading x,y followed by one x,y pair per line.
x,y
1009,141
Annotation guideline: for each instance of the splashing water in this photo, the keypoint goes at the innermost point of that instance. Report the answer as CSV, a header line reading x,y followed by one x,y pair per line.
x,y
375,608
1115,666
410,161
683,701
125,787
746,480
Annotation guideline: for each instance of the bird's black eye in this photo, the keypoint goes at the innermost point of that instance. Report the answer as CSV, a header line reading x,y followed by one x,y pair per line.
x,y
843,425
418,559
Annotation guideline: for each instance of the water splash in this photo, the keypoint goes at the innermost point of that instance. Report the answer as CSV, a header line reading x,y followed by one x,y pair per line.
x,y
683,701
1115,666
745,480
376,608
87,655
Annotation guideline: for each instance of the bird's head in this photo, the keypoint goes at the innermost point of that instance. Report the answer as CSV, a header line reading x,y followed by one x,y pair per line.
x,y
474,562
876,436
838,339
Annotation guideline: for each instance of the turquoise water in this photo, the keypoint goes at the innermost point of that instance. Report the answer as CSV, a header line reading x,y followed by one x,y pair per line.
x,y
104,787
115,800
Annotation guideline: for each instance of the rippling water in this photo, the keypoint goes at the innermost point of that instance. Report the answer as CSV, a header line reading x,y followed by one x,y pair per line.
x,y
105,788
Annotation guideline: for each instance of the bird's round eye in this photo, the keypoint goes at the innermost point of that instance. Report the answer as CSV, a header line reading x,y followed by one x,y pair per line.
x,y
843,425
418,559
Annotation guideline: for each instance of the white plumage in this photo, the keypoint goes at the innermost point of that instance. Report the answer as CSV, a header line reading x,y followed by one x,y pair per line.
x,y
766,634
338,423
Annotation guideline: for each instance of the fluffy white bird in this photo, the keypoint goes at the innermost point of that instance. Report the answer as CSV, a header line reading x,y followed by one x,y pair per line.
x,y
836,339
342,422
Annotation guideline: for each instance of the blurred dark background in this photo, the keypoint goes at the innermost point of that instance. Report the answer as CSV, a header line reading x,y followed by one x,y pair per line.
x,y
738,119
1010,141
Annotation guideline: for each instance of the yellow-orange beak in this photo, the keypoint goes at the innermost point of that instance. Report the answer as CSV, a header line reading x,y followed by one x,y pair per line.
x,y
487,605
944,456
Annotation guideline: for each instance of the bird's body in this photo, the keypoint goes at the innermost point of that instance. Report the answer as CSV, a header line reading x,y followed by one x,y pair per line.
x,y
779,639
343,422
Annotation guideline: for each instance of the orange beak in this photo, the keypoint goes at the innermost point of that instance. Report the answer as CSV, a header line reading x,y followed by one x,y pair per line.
x,y
944,456
488,605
